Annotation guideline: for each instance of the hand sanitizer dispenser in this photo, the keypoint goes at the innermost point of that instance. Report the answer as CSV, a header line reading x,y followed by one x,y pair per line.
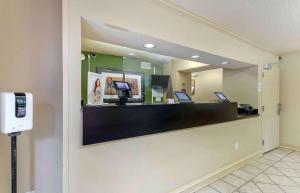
x,y
15,117
15,112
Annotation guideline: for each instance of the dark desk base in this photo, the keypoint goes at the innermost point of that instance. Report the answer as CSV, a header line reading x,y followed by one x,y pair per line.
x,y
107,123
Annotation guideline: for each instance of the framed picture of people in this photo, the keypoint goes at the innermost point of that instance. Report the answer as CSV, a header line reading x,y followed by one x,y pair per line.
x,y
95,89
135,80
110,92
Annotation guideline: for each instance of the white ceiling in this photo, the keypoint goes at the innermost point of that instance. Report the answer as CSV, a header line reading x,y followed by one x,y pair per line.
x,y
273,25
101,32
115,50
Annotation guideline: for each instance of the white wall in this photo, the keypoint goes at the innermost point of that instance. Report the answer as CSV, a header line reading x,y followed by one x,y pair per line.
x,y
163,162
180,80
157,163
31,60
206,83
289,98
241,85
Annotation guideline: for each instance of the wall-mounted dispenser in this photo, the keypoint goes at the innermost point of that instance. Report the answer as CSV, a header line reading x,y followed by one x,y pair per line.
x,y
15,112
16,115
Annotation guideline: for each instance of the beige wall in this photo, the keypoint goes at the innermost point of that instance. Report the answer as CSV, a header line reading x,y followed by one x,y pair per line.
x,y
206,83
289,98
30,60
157,163
180,80
241,85
162,162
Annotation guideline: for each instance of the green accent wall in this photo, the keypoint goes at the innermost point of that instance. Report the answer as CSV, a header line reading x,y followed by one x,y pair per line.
x,y
134,65
118,63
101,60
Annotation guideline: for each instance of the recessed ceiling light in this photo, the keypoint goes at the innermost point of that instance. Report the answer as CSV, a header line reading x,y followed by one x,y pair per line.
x,y
131,54
225,62
195,56
149,45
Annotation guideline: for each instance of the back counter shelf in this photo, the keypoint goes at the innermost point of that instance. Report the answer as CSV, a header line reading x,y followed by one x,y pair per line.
x,y
111,122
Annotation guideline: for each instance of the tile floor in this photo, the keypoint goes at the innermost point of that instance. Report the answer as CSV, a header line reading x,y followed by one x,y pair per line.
x,y
275,172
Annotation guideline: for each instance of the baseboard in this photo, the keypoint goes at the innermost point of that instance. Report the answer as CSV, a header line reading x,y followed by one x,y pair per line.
x,y
206,180
288,146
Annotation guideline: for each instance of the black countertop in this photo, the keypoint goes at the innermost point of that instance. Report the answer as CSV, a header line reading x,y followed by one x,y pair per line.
x,y
111,122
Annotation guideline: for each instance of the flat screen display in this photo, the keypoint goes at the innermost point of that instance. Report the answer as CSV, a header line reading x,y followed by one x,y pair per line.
x,y
222,97
183,97
160,80
122,85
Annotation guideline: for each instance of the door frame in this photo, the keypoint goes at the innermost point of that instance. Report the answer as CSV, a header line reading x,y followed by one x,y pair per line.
x,y
273,143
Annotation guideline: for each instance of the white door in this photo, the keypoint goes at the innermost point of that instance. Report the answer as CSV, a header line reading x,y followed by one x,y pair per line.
x,y
270,113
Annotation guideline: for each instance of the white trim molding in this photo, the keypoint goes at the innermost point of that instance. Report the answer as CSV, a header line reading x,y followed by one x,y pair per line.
x,y
291,147
214,25
218,174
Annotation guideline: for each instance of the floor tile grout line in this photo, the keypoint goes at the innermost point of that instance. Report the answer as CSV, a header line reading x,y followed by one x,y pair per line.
x,y
297,185
267,175
294,162
214,188
229,184
251,180
291,167
295,182
255,175
242,179
236,188
246,181
258,163
258,187
287,163
262,172
286,174
289,177
251,166
269,183
275,183
234,176
280,175
268,160
272,183
283,176
280,172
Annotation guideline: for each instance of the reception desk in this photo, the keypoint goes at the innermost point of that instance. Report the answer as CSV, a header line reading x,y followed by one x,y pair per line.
x,y
107,123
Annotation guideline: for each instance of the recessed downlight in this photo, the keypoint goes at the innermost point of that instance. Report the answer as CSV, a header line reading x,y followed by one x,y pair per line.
x,y
195,56
131,54
224,63
149,45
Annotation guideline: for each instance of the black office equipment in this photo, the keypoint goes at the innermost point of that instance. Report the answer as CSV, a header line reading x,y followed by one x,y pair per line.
x,y
221,97
246,109
160,80
183,97
124,91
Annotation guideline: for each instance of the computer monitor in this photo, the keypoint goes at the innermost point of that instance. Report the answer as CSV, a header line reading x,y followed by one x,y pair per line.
x,y
123,90
183,97
222,97
160,80
120,85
